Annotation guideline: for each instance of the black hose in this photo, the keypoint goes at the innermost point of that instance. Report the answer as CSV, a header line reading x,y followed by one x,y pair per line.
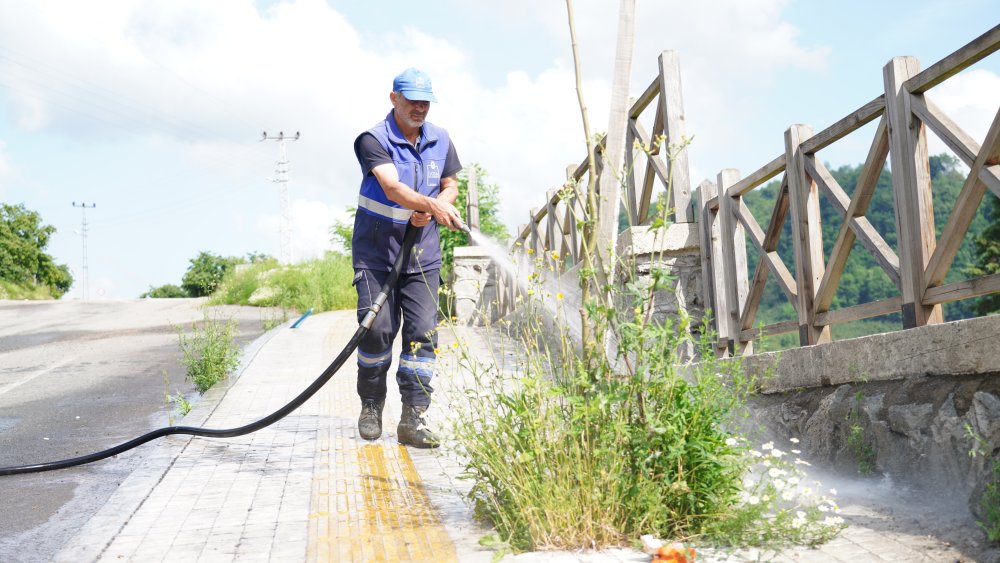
x,y
408,238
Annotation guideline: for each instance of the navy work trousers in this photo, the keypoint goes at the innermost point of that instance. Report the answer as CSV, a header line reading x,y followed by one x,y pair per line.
x,y
414,302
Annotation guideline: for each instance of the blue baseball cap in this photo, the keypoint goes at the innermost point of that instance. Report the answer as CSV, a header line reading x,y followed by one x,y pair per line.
x,y
414,85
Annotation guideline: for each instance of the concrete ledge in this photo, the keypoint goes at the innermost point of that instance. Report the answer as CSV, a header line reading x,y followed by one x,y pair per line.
x,y
677,238
967,347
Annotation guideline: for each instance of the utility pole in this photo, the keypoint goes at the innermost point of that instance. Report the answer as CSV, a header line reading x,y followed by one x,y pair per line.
x,y
83,235
285,229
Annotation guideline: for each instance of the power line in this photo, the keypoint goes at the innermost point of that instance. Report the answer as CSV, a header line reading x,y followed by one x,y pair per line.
x,y
83,234
285,229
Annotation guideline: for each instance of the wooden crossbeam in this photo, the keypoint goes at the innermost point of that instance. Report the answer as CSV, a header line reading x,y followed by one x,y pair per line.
x,y
962,290
582,168
966,206
769,255
857,224
956,62
643,137
778,214
758,177
858,312
854,220
955,138
845,126
658,125
646,192
784,327
749,313
647,96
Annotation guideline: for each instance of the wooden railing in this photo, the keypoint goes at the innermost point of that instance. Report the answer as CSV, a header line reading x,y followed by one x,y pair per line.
x,y
903,111
553,227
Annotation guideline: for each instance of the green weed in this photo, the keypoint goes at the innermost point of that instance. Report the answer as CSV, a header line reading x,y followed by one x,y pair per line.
x,y
210,352
178,401
990,501
864,454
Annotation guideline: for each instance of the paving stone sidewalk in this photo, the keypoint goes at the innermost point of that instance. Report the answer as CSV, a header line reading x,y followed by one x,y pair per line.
x,y
309,489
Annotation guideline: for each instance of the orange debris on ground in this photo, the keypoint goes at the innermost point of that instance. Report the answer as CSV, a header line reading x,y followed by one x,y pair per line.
x,y
674,553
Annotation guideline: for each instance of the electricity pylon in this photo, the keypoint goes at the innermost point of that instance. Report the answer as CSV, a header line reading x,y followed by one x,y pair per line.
x,y
285,228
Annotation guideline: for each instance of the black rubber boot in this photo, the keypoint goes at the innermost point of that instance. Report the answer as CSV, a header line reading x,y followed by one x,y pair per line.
x,y
412,430
370,421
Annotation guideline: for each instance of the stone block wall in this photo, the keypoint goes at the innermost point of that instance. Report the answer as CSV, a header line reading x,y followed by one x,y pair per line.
x,y
475,286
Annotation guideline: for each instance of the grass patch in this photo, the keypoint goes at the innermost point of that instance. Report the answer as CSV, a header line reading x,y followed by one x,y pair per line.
x,y
11,290
323,284
210,352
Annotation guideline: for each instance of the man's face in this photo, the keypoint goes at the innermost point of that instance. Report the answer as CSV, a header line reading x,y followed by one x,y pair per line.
x,y
412,113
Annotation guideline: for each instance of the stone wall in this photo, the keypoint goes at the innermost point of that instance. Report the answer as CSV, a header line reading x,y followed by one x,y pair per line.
x,y
474,285
673,250
916,402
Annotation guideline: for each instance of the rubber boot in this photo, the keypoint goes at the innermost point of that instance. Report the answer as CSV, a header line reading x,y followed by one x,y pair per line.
x,y
412,430
370,421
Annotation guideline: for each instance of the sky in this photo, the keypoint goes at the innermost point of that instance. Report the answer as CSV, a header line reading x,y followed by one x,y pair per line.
x,y
154,110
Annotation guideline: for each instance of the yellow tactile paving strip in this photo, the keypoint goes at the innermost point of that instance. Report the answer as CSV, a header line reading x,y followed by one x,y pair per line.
x,y
368,502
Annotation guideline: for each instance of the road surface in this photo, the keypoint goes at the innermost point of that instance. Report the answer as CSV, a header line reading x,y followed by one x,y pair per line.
x,y
78,377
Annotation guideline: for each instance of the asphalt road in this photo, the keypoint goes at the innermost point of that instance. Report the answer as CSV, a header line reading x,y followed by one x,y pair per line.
x,y
78,377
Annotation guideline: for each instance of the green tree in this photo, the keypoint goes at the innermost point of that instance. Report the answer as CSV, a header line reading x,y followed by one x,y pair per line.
x,y
342,233
206,272
988,256
166,291
23,261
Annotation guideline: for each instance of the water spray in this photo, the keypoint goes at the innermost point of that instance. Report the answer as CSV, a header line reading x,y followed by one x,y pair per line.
x,y
406,246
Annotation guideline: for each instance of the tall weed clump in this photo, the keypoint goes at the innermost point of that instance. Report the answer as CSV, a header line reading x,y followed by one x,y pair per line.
x,y
583,448
322,284
209,352
587,444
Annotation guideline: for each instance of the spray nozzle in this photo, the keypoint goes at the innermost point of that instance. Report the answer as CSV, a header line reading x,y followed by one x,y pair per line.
x,y
463,227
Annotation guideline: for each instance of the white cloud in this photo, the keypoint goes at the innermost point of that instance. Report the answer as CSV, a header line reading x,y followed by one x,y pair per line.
x,y
310,227
211,75
971,100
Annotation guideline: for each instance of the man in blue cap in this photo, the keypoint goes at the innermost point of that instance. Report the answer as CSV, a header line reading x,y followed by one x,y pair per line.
x,y
408,167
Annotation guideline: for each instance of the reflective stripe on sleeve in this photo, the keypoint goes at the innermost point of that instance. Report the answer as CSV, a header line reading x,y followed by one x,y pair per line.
x,y
397,214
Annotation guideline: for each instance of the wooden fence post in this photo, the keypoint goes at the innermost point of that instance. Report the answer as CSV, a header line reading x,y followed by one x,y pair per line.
x,y
911,189
472,201
712,276
734,257
807,235
609,184
673,128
